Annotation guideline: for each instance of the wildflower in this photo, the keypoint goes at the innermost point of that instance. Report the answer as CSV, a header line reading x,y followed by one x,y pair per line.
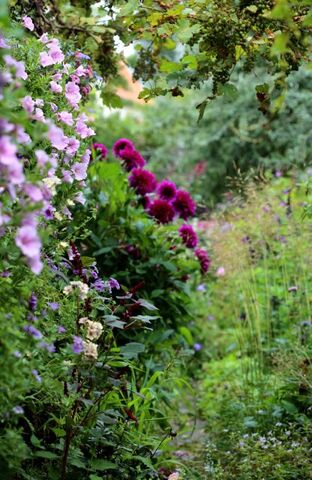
x,y
82,288
32,331
72,146
184,204
33,191
32,302
79,171
49,347
203,258
18,410
99,285
90,350
188,235
45,59
55,87
28,241
66,118
167,189
36,375
28,23
120,145
67,176
94,329
72,94
18,66
220,272
78,344
162,210
197,347
48,212
57,138
61,329
114,283
39,115
22,136
201,287
7,151
17,354
143,181
28,104
35,264
100,147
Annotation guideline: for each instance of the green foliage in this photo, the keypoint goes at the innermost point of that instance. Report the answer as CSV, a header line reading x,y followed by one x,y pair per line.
x,y
232,138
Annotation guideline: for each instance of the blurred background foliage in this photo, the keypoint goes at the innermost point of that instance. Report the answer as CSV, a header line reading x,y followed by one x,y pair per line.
x,y
232,139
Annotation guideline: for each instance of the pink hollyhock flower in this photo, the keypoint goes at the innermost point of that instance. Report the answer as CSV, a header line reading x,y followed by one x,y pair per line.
x,y
74,78
39,115
44,38
57,137
120,145
102,149
143,181
28,241
83,130
7,150
79,171
45,59
35,265
188,235
80,198
167,189
15,173
42,158
57,77
80,71
66,118
28,23
72,146
184,204
55,87
33,191
67,176
203,258
55,53
86,156
162,210
72,94
19,67
39,102
22,136
28,104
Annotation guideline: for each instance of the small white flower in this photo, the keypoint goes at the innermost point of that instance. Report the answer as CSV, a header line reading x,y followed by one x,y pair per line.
x,y
90,350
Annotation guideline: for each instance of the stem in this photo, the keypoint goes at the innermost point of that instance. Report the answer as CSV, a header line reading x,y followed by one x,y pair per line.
x,y
65,454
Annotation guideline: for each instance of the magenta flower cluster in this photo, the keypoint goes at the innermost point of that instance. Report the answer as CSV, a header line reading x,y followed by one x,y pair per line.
x,y
162,200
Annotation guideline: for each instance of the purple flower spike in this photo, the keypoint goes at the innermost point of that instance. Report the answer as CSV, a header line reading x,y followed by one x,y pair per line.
x,y
167,190
33,331
32,302
77,345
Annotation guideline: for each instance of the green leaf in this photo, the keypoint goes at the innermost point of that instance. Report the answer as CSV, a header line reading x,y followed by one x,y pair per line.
x,y
168,67
252,8
280,44
229,90
147,304
190,61
46,454
111,100
187,335
132,349
102,465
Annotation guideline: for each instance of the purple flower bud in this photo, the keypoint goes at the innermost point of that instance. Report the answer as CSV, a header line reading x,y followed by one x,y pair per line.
x,y
36,375
54,306
33,331
61,329
77,344
32,302
114,284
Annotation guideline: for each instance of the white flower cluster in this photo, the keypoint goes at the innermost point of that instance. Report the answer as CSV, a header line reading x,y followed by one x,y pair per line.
x,y
82,288
94,331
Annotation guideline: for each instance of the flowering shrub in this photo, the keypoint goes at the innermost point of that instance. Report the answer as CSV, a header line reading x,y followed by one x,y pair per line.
x,y
82,382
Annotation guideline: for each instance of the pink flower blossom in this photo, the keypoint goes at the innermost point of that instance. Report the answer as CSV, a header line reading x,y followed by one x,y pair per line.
x,y
54,107
55,87
28,104
28,241
35,265
39,102
79,171
7,150
80,198
66,118
57,137
55,53
67,176
83,130
86,156
22,136
19,66
45,59
57,77
28,23
42,158
72,93
39,115
72,146
33,191
44,38
15,173
3,43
